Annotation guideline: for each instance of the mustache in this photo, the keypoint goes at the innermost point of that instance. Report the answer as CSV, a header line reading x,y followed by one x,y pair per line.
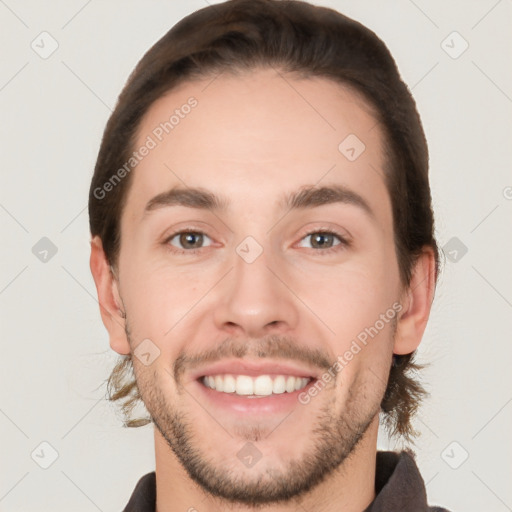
x,y
273,346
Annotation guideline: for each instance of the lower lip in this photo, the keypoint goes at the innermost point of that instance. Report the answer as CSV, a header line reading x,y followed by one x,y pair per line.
x,y
278,403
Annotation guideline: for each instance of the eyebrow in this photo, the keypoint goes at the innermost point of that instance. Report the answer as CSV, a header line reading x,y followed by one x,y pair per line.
x,y
307,197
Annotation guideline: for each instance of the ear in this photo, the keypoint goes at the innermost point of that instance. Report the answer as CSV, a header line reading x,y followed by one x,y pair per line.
x,y
417,302
109,298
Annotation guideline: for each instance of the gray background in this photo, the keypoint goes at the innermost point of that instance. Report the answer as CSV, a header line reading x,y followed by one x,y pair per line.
x,y
54,352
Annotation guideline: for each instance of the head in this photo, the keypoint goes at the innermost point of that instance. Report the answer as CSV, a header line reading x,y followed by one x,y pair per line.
x,y
261,196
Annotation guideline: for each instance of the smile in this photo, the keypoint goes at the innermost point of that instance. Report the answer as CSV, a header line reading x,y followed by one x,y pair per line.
x,y
253,387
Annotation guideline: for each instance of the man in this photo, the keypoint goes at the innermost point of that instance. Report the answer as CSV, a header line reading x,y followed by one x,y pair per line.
x,y
263,251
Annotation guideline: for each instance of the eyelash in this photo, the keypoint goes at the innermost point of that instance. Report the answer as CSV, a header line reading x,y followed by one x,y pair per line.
x,y
344,243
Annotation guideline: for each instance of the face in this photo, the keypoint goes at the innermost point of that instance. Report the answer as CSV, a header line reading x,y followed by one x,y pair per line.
x,y
257,251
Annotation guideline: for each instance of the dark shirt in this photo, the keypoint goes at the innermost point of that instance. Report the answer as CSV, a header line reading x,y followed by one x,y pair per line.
x,y
398,485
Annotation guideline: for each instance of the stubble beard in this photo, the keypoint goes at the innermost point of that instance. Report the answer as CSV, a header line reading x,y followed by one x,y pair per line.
x,y
332,439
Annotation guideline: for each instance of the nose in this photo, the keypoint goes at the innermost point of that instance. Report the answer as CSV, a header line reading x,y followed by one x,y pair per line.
x,y
255,300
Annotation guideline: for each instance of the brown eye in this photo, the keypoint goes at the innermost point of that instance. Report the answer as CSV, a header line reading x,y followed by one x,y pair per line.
x,y
189,240
322,240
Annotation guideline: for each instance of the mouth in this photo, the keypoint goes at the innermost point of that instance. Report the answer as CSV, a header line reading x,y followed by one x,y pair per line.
x,y
241,386
255,387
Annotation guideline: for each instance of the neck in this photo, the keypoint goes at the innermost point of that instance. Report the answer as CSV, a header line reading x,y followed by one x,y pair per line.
x,y
350,488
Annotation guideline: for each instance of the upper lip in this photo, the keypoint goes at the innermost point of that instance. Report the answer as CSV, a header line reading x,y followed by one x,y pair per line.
x,y
253,368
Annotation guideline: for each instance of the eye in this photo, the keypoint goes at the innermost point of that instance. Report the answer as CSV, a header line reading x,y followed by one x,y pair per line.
x,y
323,240
191,241
188,241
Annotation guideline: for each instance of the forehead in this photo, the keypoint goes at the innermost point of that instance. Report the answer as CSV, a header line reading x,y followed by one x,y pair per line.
x,y
259,133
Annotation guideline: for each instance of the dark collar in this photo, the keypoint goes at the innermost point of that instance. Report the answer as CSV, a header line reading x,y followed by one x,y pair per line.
x,y
398,485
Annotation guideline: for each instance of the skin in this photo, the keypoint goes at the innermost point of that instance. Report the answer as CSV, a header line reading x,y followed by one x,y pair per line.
x,y
253,138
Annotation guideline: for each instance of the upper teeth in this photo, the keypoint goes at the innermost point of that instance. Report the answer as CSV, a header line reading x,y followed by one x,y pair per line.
x,y
262,385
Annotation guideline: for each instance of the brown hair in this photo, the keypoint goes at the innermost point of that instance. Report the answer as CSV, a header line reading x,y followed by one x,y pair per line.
x,y
296,37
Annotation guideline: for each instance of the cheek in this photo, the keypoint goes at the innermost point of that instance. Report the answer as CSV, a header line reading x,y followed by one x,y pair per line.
x,y
351,296
159,299
358,304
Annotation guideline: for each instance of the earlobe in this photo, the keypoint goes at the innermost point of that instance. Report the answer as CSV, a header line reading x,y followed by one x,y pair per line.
x,y
109,299
417,302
